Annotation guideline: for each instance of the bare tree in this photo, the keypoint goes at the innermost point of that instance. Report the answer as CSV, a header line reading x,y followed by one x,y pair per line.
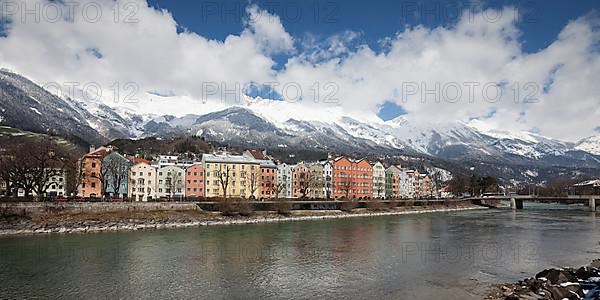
x,y
252,180
316,183
174,183
8,172
48,160
278,188
224,176
74,175
30,165
115,171
345,185
268,183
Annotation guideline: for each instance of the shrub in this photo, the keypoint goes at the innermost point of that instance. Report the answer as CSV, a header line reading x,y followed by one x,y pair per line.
x,y
375,205
228,207
348,206
283,207
245,208
409,203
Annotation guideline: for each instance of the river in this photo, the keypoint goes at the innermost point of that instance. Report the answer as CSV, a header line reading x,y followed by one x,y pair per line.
x,y
455,255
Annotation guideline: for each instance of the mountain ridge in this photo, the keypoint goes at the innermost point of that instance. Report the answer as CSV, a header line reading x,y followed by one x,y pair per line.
x,y
25,105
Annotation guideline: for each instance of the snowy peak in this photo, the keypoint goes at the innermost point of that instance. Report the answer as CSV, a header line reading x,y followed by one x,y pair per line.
x,y
590,145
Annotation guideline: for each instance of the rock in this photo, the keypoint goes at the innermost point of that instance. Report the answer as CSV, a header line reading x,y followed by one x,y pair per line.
x,y
570,292
556,276
585,273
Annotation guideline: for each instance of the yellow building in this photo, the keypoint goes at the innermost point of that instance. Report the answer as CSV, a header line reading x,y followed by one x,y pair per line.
x,y
231,176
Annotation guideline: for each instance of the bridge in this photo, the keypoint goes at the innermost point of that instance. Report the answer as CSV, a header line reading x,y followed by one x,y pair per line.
x,y
516,201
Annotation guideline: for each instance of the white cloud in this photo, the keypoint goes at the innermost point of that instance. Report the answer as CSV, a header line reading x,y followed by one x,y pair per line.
x,y
267,31
155,56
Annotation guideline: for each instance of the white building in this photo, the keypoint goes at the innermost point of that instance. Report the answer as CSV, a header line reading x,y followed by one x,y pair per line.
x,y
328,174
170,182
378,180
284,180
405,185
142,182
57,186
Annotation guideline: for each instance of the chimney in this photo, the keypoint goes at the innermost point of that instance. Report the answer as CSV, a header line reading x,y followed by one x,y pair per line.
x,y
92,148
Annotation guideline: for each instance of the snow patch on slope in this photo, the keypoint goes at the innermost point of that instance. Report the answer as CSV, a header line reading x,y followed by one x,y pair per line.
x,y
590,145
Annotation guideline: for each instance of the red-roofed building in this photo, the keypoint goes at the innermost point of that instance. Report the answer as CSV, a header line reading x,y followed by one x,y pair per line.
x,y
352,178
90,166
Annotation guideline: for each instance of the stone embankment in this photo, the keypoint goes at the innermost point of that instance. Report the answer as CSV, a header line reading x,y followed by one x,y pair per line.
x,y
81,222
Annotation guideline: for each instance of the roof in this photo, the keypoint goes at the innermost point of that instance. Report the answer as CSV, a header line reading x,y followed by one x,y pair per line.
x,y
257,154
393,169
137,160
265,163
594,182
100,152
228,158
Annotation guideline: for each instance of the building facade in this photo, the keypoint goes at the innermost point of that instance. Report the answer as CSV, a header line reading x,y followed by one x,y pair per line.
x,y
352,178
327,176
142,182
316,184
300,181
268,179
170,182
194,181
392,182
284,181
57,186
378,180
406,185
90,172
230,175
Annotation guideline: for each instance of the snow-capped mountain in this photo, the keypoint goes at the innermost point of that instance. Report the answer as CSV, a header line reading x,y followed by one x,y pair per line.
x,y
590,145
273,124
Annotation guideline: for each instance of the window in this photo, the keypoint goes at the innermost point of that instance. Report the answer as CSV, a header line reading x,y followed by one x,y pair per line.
x,y
93,165
93,184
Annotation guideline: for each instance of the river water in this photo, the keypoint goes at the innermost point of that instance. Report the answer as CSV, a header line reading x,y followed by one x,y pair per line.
x,y
455,255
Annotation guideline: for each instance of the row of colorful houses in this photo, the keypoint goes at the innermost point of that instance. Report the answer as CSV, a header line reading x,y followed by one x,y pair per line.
x,y
253,174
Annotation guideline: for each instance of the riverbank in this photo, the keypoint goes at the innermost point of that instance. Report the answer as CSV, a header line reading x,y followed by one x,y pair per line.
x,y
86,222
553,284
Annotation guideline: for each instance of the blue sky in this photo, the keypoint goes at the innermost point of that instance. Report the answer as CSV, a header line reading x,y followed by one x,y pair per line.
x,y
539,22
542,20
362,55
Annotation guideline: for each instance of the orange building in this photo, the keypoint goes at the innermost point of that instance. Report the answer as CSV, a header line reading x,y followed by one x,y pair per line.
x,y
90,171
194,181
352,178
